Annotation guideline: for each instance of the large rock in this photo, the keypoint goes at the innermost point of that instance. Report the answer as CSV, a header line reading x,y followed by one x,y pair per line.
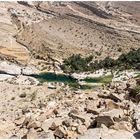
x,y
92,108
137,97
112,105
34,124
81,129
19,121
56,124
3,134
67,122
5,76
77,116
101,133
7,126
52,123
32,134
60,132
116,97
95,133
106,120
123,125
136,116
9,68
29,70
71,134
114,113
47,124
120,134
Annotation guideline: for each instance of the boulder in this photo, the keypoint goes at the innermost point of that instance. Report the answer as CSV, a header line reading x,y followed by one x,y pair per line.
x,y
74,111
74,124
92,108
60,132
138,81
95,133
123,125
29,70
13,137
137,124
56,124
114,113
71,134
119,134
22,95
136,117
73,128
47,124
81,129
101,133
7,126
22,132
10,68
3,134
115,97
34,124
75,116
103,95
106,120
112,105
137,97
67,122
51,104
19,121
32,134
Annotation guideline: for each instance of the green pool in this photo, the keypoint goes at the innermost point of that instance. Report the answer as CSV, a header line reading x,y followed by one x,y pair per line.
x,y
52,77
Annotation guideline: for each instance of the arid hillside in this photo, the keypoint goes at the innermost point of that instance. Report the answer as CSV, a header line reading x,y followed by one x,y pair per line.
x,y
44,30
99,28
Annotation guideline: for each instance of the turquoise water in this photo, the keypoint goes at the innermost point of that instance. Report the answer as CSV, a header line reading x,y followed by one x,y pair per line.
x,y
51,77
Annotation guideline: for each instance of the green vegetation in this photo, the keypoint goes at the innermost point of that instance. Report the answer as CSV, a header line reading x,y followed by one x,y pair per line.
x,y
104,80
76,63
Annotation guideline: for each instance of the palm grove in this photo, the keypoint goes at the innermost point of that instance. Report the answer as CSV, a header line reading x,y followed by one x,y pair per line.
x,y
76,63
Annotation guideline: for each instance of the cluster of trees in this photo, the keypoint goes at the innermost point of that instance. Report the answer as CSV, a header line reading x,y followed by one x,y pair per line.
x,y
76,63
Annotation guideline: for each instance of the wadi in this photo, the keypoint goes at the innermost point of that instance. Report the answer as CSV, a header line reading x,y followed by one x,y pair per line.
x,y
70,70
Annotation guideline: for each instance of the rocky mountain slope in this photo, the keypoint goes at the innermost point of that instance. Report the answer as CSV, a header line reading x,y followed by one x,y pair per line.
x,y
30,111
101,29
36,37
54,31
